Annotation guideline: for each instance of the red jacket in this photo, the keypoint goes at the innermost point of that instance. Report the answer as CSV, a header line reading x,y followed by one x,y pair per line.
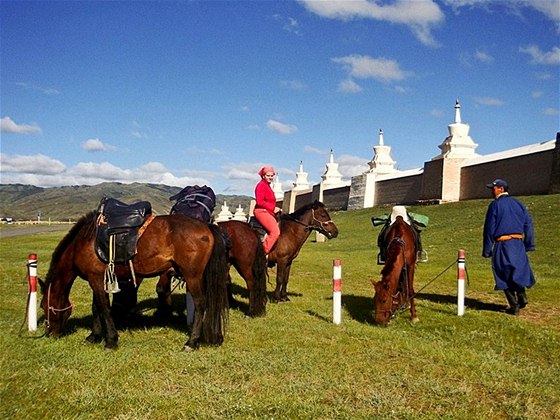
x,y
264,197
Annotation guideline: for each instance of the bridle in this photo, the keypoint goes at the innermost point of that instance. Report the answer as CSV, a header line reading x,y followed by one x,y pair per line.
x,y
53,309
395,304
316,224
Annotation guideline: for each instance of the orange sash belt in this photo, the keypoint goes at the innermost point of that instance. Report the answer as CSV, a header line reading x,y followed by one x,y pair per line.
x,y
508,237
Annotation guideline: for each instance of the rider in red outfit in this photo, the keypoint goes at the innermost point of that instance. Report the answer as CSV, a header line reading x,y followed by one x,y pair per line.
x,y
265,207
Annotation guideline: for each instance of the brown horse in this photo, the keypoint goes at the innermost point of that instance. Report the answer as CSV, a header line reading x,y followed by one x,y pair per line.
x,y
395,290
295,228
191,247
247,255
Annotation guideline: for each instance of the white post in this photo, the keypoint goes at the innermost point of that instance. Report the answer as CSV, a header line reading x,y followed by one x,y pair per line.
x,y
461,283
32,306
337,291
190,310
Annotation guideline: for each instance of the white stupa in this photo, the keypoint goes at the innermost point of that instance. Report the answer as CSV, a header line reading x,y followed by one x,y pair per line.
x,y
277,188
301,179
458,145
332,177
224,214
382,163
240,214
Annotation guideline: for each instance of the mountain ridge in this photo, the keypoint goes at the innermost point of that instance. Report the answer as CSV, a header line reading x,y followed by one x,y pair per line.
x,y
69,203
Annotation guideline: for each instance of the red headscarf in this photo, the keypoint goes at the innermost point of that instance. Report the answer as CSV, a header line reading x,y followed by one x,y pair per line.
x,y
266,169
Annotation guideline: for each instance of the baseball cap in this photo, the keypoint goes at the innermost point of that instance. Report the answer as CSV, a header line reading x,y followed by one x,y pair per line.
x,y
497,183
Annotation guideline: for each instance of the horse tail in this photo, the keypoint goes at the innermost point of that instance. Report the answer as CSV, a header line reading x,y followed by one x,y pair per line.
x,y
260,275
215,291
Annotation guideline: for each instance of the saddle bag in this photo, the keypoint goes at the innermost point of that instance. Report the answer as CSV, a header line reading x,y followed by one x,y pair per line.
x,y
195,201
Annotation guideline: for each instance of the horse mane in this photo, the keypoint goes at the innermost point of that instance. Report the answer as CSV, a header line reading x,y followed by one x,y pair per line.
x,y
85,227
394,249
304,209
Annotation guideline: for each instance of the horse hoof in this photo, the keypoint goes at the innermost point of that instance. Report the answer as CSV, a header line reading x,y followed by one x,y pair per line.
x,y
110,347
93,339
415,320
284,299
188,349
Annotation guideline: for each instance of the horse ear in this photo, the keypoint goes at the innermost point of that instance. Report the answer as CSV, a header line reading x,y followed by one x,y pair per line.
x,y
42,284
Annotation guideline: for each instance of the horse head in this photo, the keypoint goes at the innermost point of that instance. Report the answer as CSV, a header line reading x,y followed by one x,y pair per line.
x,y
322,221
57,308
383,303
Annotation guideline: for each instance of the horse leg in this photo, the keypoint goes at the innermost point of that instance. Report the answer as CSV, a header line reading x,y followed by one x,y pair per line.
x,y
411,292
194,340
231,300
97,330
282,274
163,290
101,300
284,291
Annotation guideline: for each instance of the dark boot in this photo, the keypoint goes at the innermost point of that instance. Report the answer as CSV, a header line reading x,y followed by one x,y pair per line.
x,y
522,298
513,304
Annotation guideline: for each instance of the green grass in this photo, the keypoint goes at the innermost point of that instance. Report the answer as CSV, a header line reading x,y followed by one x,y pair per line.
x,y
294,363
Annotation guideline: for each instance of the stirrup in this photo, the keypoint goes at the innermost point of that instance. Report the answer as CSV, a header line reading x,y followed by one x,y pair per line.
x,y
422,256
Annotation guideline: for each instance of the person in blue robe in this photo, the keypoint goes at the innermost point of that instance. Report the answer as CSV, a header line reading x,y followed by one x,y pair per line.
x,y
507,237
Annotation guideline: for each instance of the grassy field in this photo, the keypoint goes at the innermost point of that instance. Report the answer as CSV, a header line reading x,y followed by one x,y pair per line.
x,y
295,363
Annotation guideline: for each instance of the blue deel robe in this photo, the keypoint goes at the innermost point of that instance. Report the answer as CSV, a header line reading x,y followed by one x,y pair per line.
x,y
510,263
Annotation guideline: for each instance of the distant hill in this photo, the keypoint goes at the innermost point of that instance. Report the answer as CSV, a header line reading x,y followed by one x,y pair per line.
x,y
24,202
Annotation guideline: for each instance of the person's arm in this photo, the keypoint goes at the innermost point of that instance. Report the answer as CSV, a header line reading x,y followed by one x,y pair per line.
x,y
488,232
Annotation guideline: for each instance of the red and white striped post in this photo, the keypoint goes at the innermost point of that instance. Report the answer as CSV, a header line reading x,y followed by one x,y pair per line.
x,y
461,283
337,292
32,306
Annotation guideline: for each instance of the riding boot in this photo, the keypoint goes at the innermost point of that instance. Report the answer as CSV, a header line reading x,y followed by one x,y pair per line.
x,y
522,298
513,308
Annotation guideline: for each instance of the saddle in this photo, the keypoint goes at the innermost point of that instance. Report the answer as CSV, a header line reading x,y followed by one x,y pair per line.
x,y
416,221
257,227
119,226
194,201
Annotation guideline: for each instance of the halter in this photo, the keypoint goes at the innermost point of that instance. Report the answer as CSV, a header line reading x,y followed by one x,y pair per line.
x,y
52,308
321,228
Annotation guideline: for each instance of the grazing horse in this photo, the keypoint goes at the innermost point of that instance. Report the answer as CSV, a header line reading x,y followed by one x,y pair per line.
x,y
295,228
191,247
246,254
395,290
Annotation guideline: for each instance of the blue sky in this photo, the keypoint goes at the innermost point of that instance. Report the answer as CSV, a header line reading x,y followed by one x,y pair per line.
x,y
206,92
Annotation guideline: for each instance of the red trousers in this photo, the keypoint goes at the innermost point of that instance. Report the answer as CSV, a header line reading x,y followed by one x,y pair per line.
x,y
271,225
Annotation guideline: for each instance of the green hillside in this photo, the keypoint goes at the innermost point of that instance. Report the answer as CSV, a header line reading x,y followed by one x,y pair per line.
x,y
25,202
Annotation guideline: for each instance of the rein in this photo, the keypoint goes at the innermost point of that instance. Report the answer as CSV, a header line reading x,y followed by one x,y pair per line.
x,y
321,228
52,308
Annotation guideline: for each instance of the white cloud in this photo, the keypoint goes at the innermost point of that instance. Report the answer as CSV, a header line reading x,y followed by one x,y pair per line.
x,y
365,67
483,56
486,100
45,90
95,145
539,57
289,24
7,125
551,111
35,164
549,8
350,166
44,171
293,84
349,86
419,16
281,128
